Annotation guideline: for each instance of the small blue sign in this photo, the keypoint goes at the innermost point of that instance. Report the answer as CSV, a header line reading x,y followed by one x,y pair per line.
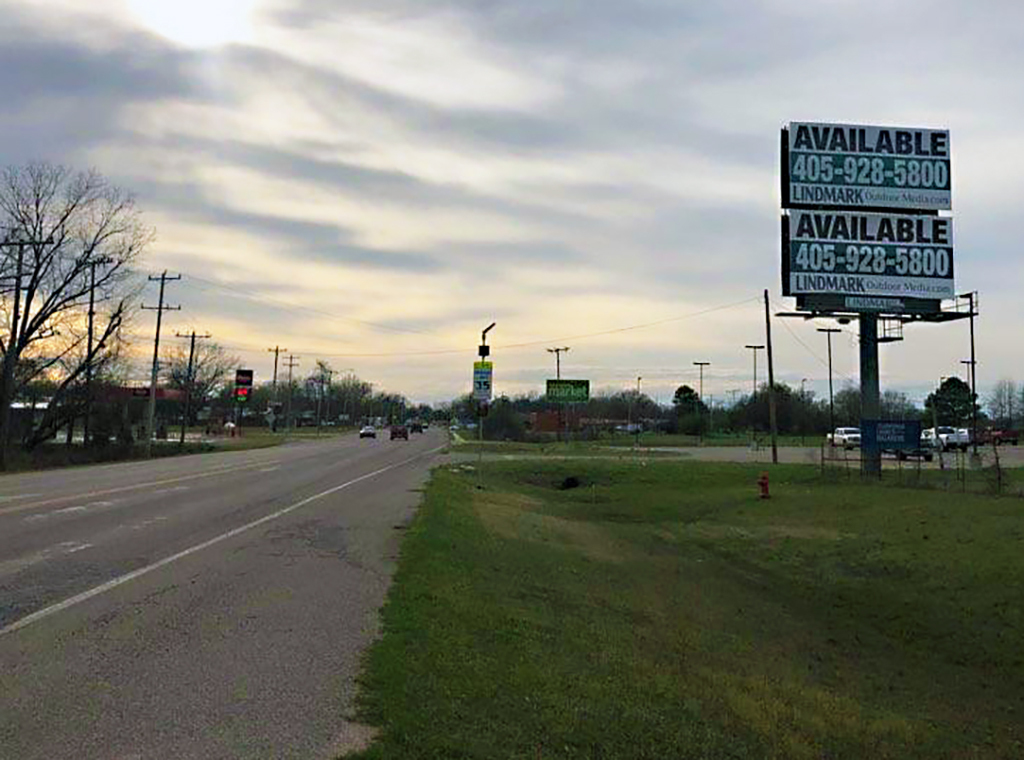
x,y
890,435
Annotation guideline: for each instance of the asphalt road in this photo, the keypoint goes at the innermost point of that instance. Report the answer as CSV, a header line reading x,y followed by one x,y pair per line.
x,y
210,606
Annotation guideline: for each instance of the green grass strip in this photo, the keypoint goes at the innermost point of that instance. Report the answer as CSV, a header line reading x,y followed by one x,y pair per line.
x,y
661,610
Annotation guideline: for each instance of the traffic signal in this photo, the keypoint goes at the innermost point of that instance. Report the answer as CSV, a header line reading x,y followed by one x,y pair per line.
x,y
242,394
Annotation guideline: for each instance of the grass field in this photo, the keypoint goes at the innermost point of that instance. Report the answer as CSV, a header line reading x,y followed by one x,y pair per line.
x,y
663,611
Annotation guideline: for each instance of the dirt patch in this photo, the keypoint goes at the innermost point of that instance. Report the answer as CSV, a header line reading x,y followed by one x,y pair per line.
x,y
517,516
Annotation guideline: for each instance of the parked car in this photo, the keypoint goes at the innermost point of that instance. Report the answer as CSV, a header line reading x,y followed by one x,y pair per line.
x,y
925,451
947,438
399,431
847,437
367,431
990,436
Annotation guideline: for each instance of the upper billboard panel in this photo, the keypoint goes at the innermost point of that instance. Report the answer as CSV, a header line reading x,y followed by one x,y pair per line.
x,y
852,166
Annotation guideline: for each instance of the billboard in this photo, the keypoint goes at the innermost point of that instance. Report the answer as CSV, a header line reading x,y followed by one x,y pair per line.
x,y
850,253
870,167
569,391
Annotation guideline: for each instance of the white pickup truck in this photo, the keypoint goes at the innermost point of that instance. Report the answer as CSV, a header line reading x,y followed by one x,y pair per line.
x,y
847,437
947,438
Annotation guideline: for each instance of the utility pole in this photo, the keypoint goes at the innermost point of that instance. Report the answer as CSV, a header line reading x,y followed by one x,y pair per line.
x,y
276,350
974,388
321,396
772,417
829,331
92,264
188,379
292,364
11,349
159,309
700,395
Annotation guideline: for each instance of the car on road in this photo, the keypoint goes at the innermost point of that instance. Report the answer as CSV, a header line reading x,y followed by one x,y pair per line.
x,y
847,437
399,431
367,431
416,427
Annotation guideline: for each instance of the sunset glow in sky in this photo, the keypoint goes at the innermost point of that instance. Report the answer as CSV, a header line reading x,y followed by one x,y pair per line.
x,y
373,182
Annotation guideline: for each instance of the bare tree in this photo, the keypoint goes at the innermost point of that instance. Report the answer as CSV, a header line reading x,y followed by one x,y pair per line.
x,y
212,367
66,235
1002,403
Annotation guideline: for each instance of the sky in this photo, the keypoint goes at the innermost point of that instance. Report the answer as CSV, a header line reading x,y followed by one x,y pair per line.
x,y
373,182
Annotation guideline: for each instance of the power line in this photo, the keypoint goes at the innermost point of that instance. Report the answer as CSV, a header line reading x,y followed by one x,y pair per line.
x,y
511,346
296,307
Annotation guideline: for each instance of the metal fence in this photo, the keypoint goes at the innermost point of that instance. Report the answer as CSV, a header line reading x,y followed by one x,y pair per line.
x,y
986,472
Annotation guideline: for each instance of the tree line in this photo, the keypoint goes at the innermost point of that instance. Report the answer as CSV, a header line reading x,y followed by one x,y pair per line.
x,y
798,412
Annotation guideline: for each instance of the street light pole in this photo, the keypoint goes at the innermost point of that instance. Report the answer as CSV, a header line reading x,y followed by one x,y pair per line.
x,y
831,411
974,388
753,396
755,349
637,430
558,363
558,376
700,398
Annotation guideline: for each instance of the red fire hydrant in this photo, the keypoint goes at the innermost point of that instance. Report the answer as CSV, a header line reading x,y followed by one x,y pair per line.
x,y
762,483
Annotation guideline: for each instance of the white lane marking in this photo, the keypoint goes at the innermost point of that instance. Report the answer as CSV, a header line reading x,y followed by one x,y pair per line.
x,y
70,547
69,510
271,469
19,496
112,584
176,489
121,489
18,564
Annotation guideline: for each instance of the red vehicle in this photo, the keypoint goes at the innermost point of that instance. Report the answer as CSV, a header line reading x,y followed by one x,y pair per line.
x,y
998,437
399,431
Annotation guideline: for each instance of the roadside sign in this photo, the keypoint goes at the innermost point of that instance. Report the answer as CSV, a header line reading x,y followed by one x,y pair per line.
x,y
852,165
866,254
569,391
482,374
890,435
243,378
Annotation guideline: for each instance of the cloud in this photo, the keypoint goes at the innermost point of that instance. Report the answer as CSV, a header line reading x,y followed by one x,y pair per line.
x,y
564,168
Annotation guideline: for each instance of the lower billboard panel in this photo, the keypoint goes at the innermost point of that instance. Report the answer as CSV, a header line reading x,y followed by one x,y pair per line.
x,y
868,304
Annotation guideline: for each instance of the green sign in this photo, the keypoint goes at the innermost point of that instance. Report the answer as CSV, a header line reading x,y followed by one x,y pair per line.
x,y
568,390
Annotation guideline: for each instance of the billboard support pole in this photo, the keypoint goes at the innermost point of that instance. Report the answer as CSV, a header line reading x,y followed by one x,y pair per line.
x,y
869,395
772,419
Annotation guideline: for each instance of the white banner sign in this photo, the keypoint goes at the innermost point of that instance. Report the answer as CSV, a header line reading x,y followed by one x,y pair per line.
x,y
866,166
861,254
